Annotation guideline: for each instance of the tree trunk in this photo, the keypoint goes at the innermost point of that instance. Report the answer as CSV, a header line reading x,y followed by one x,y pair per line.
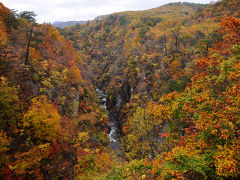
x,y
28,45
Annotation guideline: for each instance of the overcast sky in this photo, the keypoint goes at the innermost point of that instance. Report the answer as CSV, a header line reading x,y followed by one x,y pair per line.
x,y
67,10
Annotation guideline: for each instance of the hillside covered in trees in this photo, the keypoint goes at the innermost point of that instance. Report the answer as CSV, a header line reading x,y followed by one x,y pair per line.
x,y
163,83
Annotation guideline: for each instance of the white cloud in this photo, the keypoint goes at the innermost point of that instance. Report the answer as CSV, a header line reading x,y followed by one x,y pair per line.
x,y
67,10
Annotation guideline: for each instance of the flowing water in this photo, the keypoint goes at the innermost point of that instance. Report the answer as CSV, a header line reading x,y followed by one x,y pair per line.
x,y
114,132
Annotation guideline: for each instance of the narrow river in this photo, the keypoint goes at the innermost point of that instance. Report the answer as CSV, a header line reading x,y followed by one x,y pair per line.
x,y
113,125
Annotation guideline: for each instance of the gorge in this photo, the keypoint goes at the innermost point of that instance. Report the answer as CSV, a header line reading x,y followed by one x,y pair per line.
x,y
151,94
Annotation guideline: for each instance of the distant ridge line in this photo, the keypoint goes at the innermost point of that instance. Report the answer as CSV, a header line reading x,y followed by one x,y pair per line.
x,y
63,24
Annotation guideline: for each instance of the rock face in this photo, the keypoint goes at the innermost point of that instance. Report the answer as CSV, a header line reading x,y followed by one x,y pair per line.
x,y
75,104
118,99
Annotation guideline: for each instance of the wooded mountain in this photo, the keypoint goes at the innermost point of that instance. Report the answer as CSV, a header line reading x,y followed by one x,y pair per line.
x,y
62,24
170,78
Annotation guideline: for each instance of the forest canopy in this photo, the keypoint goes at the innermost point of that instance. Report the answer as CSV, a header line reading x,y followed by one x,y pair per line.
x,y
151,94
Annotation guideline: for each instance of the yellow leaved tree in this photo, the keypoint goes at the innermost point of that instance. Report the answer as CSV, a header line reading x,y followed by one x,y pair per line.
x,y
42,120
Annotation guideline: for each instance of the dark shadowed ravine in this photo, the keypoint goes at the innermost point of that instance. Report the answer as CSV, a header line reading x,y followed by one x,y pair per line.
x,y
114,130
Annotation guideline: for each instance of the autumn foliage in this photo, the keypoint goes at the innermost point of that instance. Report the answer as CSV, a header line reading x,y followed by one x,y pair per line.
x,y
208,137
45,104
172,79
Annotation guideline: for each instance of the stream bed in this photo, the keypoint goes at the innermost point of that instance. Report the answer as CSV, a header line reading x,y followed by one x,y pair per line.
x,y
114,129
